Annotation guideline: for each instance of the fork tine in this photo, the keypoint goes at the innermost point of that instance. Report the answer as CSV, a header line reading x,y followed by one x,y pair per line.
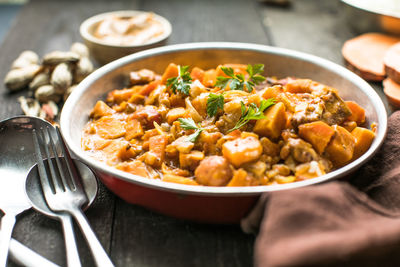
x,y
54,177
73,173
44,178
58,162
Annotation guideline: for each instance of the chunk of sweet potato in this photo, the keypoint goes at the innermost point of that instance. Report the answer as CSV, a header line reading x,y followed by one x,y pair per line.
x,y
210,77
148,88
133,129
156,154
341,148
364,138
273,123
317,133
242,150
109,128
126,152
357,112
197,74
175,113
240,178
178,179
190,160
272,92
299,86
170,72
101,109
237,69
118,96
134,167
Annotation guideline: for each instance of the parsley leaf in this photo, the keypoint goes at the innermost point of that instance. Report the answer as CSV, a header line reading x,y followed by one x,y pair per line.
x,y
238,81
252,112
214,103
189,124
182,82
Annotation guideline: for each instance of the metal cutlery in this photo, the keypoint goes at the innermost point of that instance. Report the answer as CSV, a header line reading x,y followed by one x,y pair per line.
x,y
35,195
17,157
62,187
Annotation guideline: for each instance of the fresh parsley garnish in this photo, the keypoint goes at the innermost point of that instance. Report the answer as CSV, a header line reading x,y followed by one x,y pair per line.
x,y
214,103
252,112
189,124
182,82
238,81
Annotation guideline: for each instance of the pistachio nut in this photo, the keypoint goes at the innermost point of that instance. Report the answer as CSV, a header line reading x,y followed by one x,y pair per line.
x,y
80,49
57,57
17,79
61,78
47,93
83,68
29,106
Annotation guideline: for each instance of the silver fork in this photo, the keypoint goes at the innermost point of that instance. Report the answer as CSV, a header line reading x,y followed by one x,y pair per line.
x,y
63,190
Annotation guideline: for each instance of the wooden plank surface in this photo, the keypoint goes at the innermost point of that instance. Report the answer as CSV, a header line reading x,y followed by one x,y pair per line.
x,y
135,236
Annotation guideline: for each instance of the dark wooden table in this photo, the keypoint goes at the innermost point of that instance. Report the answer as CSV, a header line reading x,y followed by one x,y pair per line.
x,y
132,235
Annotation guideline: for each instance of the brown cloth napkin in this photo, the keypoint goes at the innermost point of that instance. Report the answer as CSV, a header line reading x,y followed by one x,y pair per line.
x,y
340,223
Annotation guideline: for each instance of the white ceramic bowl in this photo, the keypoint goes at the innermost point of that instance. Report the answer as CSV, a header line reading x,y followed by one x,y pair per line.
x,y
104,52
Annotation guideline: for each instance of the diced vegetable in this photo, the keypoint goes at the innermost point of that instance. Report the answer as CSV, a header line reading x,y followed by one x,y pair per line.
x,y
170,72
357,112
175,113
364,138
155,156
147,89
117,96
133,129
136,167
109,128
341,148
317,133
272,92
240,178
209,78
147,116
191,160
273,123
101,109
178,179
242,150
197,74
299,86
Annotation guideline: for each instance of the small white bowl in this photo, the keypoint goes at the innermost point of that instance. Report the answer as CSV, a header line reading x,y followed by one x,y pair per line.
x,y
104,52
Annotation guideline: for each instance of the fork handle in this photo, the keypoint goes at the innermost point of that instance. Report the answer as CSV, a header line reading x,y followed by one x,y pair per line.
x,y
7,225
99,254
70,242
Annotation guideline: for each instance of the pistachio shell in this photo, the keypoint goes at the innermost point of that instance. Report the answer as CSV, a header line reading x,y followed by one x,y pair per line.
x,y
17,79
47,93
80,49
24,59
57,57
83,68
39,80
29,106
61,78
50,109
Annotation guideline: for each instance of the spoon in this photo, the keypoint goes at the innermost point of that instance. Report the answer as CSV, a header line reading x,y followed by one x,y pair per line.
x,y
35,194
17,157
